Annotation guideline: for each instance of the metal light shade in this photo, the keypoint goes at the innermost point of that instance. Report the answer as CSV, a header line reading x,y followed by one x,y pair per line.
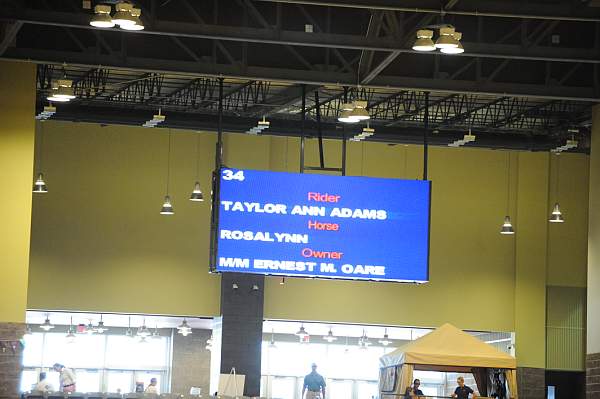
x,y
507,227
197,193
137,23
359,112
446,38
347,117
424,45
52,97
556,216
123,15
40,185
101,18
453,50
100,328
47,326
167,208
302,332
330,337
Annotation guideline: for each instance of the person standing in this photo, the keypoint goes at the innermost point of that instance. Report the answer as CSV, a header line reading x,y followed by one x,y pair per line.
x,y
314,385
43,385
414,390
67,378
152,388
462,391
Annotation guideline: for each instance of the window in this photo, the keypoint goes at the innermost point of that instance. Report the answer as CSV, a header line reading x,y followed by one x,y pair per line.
x,y
102,363
339,389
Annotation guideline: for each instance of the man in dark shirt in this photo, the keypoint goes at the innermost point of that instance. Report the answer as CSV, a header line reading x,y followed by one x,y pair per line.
x,y
462,391
414,390
314,383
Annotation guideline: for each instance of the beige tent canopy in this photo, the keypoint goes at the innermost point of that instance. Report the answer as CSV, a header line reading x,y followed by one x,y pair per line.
x,y
444,349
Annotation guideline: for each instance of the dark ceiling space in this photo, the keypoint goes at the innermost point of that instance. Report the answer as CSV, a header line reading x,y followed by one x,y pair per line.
x,y
527,80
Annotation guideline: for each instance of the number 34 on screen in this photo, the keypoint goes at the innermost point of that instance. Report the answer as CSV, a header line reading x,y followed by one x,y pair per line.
x,y
231,175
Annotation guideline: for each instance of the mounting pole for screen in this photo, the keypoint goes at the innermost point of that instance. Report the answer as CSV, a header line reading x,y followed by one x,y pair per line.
x,y
214,218
426,136
321,167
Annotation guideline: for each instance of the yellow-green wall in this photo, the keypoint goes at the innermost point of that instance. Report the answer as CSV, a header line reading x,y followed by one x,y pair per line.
x,y
98,242
17,106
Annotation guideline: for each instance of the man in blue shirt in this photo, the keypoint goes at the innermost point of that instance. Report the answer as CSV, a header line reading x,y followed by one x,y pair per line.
x,y
462,391
314,385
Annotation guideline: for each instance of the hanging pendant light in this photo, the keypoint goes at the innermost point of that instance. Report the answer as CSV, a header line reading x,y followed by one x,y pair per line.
x,y
197,195
507,227
459,49
123,15
184,329
345,115
47,326
386,339
137,23
100,328
446,39
360,112
167,207
39,186
556,216
129,331
101,18
156,334
424,41
71,333
302,332
90,329
272,343
143,331
330,337
62,92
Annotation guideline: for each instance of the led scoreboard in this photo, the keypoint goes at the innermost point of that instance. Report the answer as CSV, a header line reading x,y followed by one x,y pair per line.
x,y
324,226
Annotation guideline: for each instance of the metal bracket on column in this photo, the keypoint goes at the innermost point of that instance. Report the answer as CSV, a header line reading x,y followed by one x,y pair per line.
x,y
321,167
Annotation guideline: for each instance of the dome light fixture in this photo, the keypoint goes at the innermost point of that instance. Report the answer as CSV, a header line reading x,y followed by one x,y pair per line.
x,y
385,341
62,91
424,41
360,112
197,193
184,329
330,337
137,23
345,117
143,331
39,187
507,227
167,207
123,16
556,216
101,18
446,39
100,328
459,49
47,326
302,332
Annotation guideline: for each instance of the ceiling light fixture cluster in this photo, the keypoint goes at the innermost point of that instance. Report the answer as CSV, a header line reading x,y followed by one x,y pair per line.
x,y
62,91
448,41
262,125
366,132
156,119
468,138
126,16
354,112
570,144
46,113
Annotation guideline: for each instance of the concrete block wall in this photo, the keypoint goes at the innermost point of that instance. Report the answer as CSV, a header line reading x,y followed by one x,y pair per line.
x,y
11,355
191,362
593,376
531,382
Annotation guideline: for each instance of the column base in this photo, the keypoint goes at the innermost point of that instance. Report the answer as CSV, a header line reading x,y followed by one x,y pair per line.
x,y
592,379
531,382
11,359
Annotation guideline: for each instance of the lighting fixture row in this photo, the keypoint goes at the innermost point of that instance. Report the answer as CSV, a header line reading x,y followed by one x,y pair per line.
x,y
448,41
126,16
47,113
196,196
354,112
362,342
156,120
366,132
555,217
468,138
565,147
262,125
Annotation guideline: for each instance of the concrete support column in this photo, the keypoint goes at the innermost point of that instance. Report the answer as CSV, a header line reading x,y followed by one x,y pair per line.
x,y
530,272
593,283
17,130
242,299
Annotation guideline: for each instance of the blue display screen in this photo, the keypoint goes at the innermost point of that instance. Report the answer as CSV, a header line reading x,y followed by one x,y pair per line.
x,y
322,226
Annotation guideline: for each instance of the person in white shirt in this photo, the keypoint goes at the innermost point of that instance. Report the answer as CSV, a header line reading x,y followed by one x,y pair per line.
x,y
152,388
67,378
43,385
